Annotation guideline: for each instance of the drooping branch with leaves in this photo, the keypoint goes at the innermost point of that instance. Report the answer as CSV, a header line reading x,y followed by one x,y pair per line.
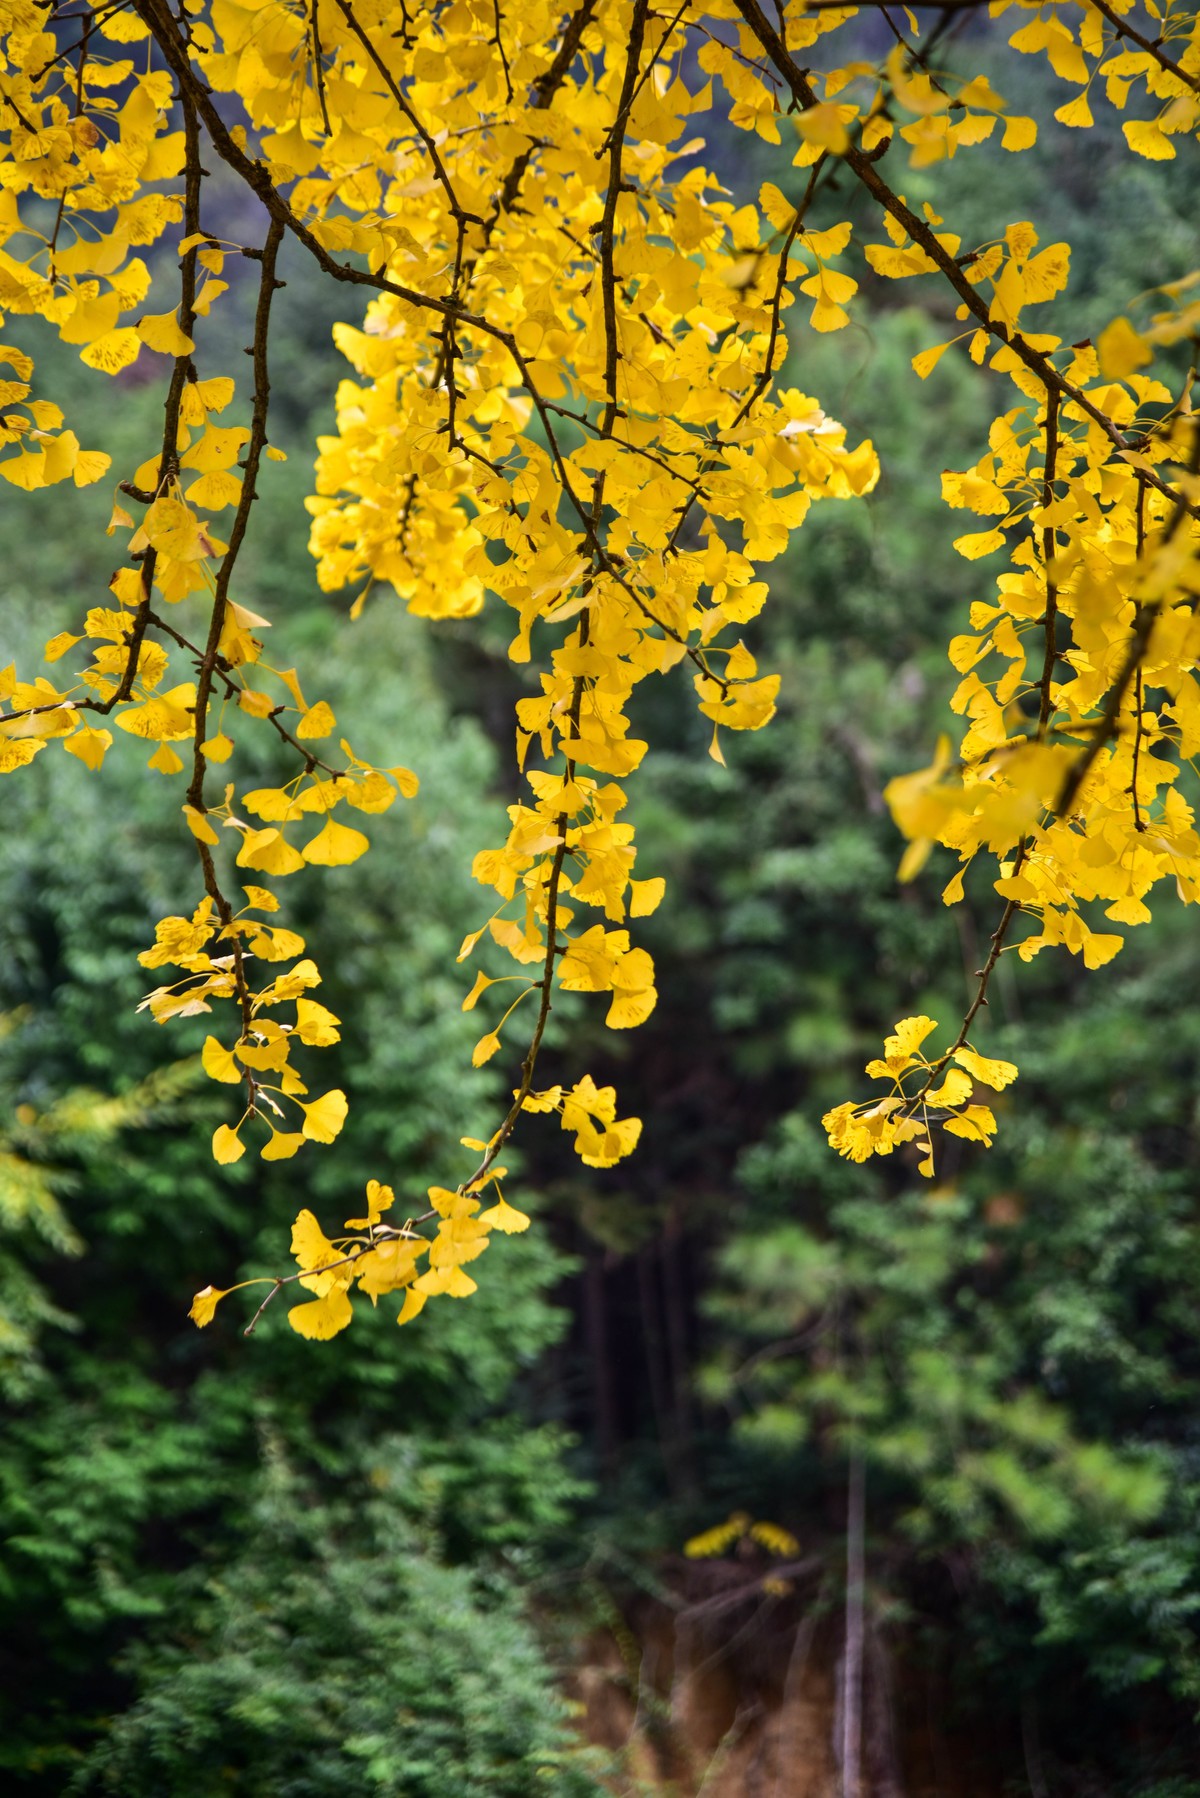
x,y
566,393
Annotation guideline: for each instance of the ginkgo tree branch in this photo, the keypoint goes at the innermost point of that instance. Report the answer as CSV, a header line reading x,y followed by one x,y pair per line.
x,y
1152,46
572,349
1048,549
865,168
554,877
268,283
1147,613
258,178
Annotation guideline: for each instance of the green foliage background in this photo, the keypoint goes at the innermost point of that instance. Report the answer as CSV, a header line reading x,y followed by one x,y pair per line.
x,y
269,1567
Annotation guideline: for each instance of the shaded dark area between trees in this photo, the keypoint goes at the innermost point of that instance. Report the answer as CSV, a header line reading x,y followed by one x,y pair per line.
x,y
416,1562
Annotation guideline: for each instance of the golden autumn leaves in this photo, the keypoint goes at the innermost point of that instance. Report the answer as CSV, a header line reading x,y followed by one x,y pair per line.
x,y
565,394
923,1093
382,1258
1078,675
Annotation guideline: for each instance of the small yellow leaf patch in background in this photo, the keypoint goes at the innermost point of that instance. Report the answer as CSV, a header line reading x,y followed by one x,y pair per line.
x,y
775,1539
715,1541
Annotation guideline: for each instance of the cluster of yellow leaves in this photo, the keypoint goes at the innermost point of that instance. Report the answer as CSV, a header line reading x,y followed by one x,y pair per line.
x,y
1078,674
593,481
740,1527
84,145
740,1532
923,1093
381,1258
564,395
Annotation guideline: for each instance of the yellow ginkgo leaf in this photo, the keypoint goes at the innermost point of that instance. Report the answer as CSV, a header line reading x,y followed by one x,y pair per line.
x,y
645,896
281,1145
260,899
414,1304
205,1303
997,1074
318,721
264,1057
59,645
113,351
218,748
218,1062
315,1025
504,1217
482,982
165,717
89,745
322,1318
324,1117
269,851
165,760
310,1245
336,845
199,825
213,492
227,1145
160,331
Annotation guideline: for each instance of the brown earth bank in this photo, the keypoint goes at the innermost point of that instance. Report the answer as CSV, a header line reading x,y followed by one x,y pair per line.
x,y
726,1688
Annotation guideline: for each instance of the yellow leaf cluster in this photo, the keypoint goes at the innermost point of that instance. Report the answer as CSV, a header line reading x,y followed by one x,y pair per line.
x,y
564,393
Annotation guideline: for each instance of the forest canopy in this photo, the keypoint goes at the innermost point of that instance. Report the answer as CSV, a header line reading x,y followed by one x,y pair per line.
x,y
567,392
